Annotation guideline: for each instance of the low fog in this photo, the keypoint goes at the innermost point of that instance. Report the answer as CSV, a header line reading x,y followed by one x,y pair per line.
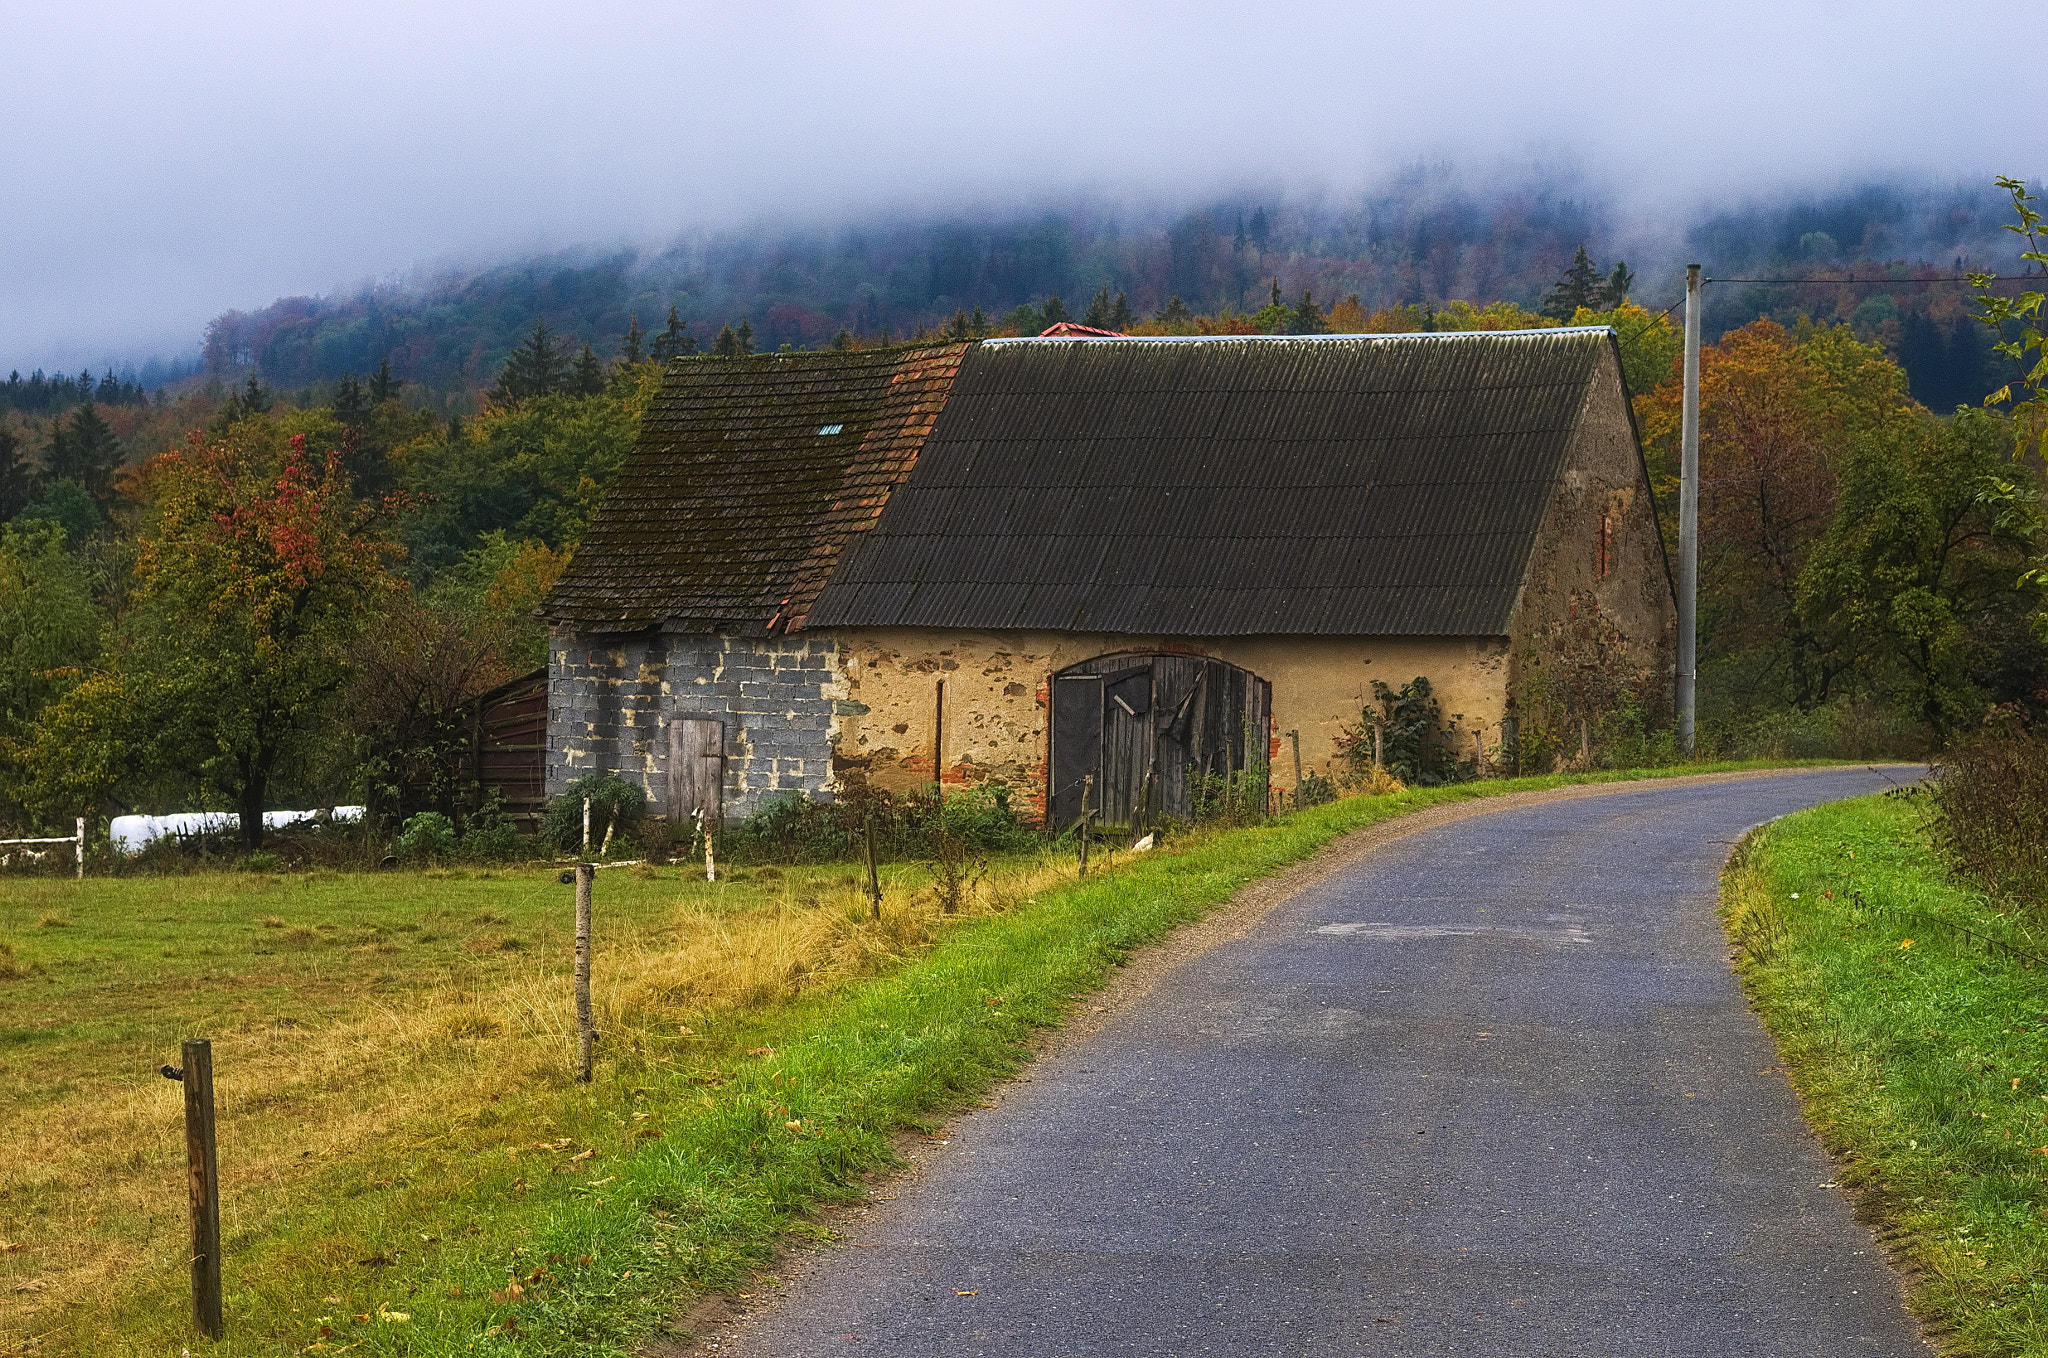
x,y
165,164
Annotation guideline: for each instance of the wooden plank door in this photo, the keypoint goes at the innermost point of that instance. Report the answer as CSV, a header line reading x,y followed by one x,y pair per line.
x,y
696,770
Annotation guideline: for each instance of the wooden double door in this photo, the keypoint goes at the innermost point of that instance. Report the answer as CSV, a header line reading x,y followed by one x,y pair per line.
x,y
1149,728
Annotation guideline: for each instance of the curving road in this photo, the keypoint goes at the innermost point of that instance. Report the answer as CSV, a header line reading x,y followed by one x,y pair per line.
x,y
1489,1090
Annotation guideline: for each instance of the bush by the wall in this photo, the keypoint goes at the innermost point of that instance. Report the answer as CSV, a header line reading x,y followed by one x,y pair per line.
x,y
615,809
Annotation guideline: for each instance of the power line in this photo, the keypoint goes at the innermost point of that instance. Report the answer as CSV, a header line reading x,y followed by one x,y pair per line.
x,y
1895,282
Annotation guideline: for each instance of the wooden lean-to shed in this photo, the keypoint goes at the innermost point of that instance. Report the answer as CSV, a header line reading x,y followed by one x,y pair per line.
x,y
1139,560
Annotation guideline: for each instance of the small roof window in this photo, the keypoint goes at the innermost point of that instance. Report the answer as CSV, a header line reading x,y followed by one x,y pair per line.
x,y
830,428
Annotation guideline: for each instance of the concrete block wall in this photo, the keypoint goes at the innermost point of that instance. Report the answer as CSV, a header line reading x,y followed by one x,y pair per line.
x,y
610,699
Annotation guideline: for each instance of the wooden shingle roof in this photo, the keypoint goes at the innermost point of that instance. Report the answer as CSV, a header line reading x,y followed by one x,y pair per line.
x,y
748,477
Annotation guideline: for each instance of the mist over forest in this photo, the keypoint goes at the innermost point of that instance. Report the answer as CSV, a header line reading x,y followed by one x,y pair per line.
x,y
1424,237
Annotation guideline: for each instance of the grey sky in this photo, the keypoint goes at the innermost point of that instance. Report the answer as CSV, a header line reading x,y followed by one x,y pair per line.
x,y
164,163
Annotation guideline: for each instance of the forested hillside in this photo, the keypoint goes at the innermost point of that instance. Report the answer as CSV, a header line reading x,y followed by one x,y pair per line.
x,y
1424,240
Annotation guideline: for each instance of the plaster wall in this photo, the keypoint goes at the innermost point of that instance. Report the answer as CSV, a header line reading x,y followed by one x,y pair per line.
x,y
1596,620
997,686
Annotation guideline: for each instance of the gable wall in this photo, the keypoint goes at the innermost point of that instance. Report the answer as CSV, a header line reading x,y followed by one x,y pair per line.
x,y
1582,638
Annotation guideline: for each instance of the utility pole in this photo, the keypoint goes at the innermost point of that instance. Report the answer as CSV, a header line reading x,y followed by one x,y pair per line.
x,y
1689,517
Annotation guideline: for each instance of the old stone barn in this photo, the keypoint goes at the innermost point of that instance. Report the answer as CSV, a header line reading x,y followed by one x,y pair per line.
x,y
1137,559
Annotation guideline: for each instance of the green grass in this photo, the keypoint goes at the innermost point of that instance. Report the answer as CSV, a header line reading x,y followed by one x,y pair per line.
x,y
444,1168
1921,1057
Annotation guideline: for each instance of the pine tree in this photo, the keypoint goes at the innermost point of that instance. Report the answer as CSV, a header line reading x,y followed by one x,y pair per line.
x,y
1618,284
1581,286
745,335
109,392
1276,292
383,386
629,343
1307,318
1175,314
84,449
673,341
535,368
1120,314
727,345
587,377
979,323
351,404
843,340
16,484
253,399
1053,312
958,328
1097,316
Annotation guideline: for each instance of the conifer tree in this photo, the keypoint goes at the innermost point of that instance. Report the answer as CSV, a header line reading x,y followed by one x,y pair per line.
x,y
1276,292
84,449
1120,314
1581,286
535,368
587,377
253,399
1618,284
1307,318
1175,314
1097,316
16,483
629,343
959,329
727,345
351,404
1053,312
843,340
979,323
673,341
1260,230
745,336
383,386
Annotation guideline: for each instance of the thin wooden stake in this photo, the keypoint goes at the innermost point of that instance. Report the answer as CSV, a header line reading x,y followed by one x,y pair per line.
x,y
1295,736
1379,752
81,848
1087,792
939,747
710,854
586,1029
203,1165
867,825
586,825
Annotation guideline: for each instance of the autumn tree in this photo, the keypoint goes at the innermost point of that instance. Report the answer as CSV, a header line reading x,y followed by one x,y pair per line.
x,y
1778,412
252,578
49,635
17,476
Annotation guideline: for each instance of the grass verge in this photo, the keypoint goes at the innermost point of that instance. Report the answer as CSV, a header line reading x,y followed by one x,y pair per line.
x,y
408,1169
1921,1054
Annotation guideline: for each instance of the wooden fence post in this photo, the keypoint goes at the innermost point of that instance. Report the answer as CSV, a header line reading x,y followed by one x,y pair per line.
x,y
867,825
939,751
202,1165
81,848
1087,794
586,1032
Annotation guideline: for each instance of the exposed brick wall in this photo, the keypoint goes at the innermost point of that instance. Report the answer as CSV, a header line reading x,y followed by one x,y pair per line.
x,y
609,699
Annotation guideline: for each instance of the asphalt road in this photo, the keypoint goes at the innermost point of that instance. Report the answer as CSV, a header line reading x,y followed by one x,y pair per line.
x,y
1492,1090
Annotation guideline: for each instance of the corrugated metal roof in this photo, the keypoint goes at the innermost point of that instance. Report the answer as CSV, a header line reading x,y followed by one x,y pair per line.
x,y
748,477
1346,485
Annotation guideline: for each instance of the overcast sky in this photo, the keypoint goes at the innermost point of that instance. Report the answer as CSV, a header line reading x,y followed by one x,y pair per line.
x,y
163,163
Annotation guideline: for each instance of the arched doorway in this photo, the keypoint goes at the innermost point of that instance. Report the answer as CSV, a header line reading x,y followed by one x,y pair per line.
x,y
1149,727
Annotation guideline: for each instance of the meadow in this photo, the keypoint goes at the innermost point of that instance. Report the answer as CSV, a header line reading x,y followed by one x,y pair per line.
x,y
408,1166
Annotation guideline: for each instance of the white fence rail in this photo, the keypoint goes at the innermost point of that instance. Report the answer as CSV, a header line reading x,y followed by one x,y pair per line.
x,y
77,840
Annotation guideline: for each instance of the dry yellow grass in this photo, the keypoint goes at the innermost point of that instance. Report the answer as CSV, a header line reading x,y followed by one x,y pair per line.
x,y
92,1176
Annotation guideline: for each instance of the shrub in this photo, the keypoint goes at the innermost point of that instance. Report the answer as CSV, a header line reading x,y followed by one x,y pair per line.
x,y
490,838
615,809
428,837
1416,747
791,828
1991,814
